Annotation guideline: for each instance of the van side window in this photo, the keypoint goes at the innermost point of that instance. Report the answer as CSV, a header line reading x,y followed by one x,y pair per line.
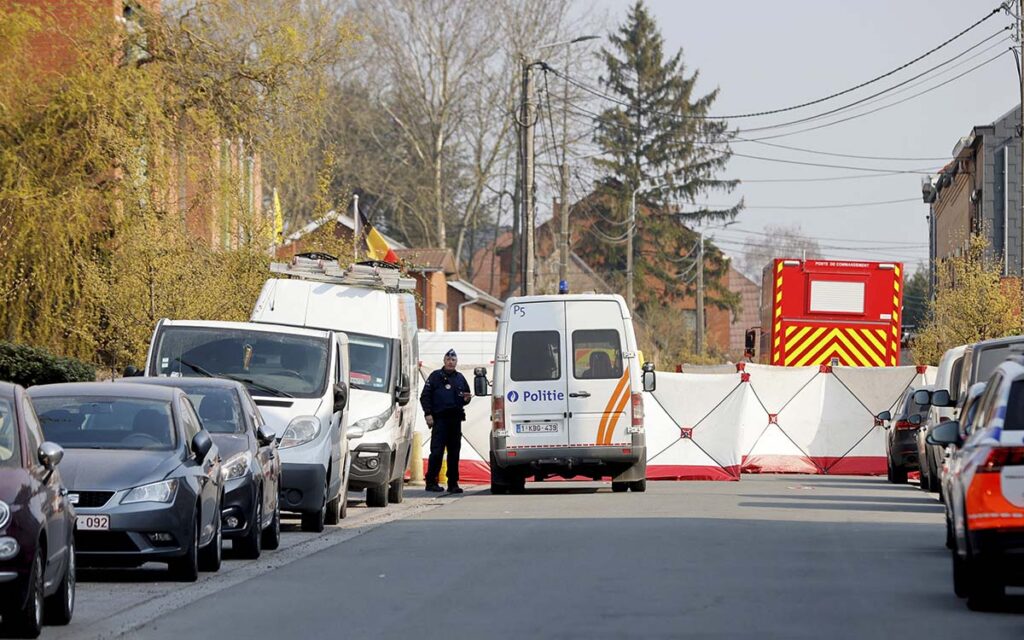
x,y
954,378
1014,420
596,354
536,355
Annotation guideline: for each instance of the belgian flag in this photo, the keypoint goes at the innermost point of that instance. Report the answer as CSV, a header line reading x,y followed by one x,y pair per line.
x,y
376,246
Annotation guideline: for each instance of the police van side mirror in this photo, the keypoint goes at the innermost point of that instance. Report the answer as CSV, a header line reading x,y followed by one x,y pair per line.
x,y
649,381
403,391
480,383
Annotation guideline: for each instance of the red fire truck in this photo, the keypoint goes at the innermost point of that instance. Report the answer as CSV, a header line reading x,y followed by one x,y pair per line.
x,y
816,312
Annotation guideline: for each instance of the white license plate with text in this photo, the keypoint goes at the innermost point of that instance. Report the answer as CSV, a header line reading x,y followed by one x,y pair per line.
x,y
536,428
92,523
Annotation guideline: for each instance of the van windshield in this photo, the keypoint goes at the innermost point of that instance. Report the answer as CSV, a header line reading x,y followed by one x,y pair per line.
x,y
369,362
267,363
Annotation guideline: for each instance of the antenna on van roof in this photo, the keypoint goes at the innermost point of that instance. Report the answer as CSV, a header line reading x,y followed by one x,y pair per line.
x,y
322,267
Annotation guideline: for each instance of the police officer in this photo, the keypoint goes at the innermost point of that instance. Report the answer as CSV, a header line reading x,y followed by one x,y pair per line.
x,y
443,398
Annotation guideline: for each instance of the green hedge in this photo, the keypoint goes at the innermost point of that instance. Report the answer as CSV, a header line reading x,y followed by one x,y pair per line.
x,y
29,366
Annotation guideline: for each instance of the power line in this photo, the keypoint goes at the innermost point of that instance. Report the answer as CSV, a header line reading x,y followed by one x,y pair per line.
x,y
827,239
851,205
947,42
830,166
838,155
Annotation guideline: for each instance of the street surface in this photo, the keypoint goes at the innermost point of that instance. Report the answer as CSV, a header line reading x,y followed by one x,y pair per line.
x,y
767,557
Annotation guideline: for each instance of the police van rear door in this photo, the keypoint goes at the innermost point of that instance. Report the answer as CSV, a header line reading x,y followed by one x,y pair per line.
x,y
599,384
535,390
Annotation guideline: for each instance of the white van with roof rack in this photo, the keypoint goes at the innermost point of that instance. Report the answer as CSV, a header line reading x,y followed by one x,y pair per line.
x,y
372,303
566,393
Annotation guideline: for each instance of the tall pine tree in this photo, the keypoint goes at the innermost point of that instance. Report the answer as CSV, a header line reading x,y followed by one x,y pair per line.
x,y
657,132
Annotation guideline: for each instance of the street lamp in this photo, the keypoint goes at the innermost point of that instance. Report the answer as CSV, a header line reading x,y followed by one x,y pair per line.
x,y
526,123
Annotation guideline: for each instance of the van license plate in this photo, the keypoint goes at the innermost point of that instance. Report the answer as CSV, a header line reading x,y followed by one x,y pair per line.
x,y
92,523
536,428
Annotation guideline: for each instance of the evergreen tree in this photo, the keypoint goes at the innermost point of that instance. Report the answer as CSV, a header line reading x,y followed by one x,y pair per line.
x,y
657,133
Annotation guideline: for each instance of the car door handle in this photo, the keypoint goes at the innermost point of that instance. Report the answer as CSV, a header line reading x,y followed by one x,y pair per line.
x,y
579,394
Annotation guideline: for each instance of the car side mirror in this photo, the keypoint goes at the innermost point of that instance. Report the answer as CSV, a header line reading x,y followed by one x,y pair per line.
x,y
884,416
50,454
922,397
355,432
340,397
944,434
650,383
201,445
402,392
914,419
939,398
265,435
480,383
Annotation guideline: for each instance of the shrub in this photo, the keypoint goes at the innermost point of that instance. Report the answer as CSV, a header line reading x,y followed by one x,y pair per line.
x,y
29,366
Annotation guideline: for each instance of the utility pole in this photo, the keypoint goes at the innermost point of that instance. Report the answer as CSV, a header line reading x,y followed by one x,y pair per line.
x,y
629,249
563,255
700,293
528,206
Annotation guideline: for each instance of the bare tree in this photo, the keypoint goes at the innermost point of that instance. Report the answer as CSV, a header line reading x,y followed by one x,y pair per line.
x,y
780,241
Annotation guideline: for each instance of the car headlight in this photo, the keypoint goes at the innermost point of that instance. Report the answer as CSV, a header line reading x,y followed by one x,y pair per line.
x,y
5,514
156,492
8,548
374,422
236,466
300,431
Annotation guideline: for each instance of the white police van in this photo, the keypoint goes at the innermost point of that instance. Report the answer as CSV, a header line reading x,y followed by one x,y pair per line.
x,y
566,396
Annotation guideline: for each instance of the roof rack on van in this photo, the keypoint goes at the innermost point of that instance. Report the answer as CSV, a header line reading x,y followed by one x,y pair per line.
x,y
319,268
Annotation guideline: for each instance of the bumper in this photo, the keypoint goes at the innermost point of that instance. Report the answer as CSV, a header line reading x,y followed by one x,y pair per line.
x,y
239,504
572,461
131,539
13,587
302,487
363,474
1002,550
903,451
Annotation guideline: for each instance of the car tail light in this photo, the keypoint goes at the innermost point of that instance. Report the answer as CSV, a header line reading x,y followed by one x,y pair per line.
x,y
497,413
638,411
1000,457
906,424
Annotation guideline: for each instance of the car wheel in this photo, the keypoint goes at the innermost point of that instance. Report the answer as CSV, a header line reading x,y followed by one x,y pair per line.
x,y
888,470
212,554
620,487
395,490
250,546
27,620
272,534
638,486
950,542
960,570
314,522
984,588
61,605
186,568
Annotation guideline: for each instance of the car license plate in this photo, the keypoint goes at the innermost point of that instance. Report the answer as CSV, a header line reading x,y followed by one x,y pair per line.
x,y
92,523
536,428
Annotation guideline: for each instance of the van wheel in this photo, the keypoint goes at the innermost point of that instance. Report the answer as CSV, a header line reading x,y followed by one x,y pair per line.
x,y
499,479
620,487
638,486
314,522
498,489
395,490
518,485
377,495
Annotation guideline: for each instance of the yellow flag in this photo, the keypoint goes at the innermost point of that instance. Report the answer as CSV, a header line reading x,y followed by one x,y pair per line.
x,y
278,220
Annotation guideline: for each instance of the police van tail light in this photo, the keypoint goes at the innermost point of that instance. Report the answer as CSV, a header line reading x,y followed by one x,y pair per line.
x,y
1000,457
638,410
498,414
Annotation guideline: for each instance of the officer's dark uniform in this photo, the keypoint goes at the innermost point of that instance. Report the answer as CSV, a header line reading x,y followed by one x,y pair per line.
x,y
442,399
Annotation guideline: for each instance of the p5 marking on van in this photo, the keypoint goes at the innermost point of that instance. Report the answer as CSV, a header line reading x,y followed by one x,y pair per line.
x,y
566,397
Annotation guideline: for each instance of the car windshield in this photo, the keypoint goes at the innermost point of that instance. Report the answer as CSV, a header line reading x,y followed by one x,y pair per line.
x,y
10,443
268,363
92,422
369,362
219,409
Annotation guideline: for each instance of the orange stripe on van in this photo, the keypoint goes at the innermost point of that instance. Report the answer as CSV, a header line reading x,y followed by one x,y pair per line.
x,y
614,419
611,403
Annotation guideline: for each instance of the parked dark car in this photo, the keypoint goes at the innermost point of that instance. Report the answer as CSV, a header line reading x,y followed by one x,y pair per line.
x,y
37,523
901,435
251,513
144,476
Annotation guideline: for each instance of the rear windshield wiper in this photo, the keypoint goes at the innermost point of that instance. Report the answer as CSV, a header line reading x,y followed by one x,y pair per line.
x,y
248,381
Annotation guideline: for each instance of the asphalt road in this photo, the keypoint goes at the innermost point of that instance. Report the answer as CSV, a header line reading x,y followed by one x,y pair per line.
x,y
767,557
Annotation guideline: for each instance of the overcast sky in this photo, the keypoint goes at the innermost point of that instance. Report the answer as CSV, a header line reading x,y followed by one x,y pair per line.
x,y
767,55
